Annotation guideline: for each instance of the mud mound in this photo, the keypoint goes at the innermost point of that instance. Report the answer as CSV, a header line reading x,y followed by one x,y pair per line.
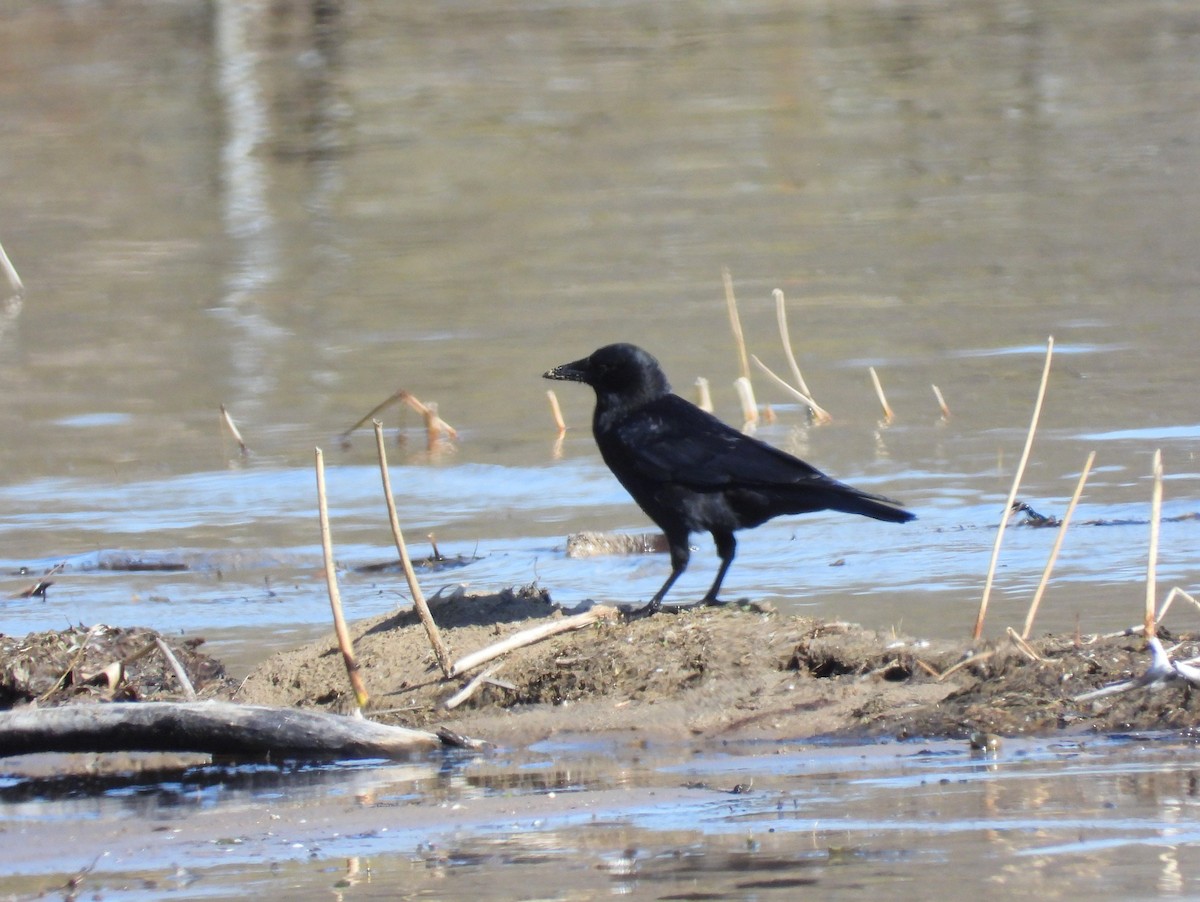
x,y
719,672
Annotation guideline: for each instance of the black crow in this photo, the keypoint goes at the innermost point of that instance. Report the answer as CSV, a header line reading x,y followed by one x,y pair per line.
x,y
689,471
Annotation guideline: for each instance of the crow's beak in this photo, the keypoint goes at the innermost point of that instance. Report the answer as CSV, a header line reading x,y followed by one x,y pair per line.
x,y
569,372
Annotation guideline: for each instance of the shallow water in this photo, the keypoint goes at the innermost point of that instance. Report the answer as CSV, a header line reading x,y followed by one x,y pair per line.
x,y
1114,819
295,209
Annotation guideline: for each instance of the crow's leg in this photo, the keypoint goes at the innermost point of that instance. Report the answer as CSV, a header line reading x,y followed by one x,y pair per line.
x,y
680,553
726,546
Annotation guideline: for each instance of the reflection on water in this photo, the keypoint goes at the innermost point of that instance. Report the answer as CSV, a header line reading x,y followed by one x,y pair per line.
x,y
1105,818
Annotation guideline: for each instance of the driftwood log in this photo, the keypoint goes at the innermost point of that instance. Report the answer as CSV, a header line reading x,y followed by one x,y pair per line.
x,y
219,728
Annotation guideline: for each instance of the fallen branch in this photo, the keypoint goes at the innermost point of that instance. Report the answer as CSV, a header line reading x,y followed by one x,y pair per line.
x,y
218,728
531,636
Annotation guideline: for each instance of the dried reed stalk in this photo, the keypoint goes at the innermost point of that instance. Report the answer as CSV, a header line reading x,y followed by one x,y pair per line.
x,y
942,406
556,411
189,691
335,599
820,414
414,587
735,323
233,430
530,636
703,396
10,272
1058,542
888,415
427,411
745,393
1152,558
781,318
1012,494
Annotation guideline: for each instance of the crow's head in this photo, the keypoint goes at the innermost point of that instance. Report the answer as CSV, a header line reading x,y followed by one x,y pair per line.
x,y
624,371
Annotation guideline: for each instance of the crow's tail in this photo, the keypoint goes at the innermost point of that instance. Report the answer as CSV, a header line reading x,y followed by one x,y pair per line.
x,y
852,501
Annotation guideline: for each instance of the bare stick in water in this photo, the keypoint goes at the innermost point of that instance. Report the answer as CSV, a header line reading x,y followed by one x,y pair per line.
x,y
942,406
888,415
1152,560
335,598
428,412
745,393
233,430
820,414
781,318
556,411
1058,541
10,272
735,323
414,587
1012,495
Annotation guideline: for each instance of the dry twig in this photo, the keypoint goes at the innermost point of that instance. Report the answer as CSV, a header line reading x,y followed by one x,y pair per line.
x,y
1012,495
1152,557
233,430
1058,541
418,597
530,636
888,414
335,598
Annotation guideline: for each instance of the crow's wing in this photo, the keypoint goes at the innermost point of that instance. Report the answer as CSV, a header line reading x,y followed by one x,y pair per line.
x,y
672,440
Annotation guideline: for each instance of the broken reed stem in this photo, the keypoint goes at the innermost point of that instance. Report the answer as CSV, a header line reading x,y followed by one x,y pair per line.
x,y
189,690
556,411
335,598
10,272
704,397
745,393
888,415
1152,558
820,414
942,406
781,318
414,587
233,430
427,411
735,323
471,688
530,636
1171,596
1012,494
1058,542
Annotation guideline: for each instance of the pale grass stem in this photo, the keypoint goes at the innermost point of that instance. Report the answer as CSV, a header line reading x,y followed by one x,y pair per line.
x,y
745,393
735,323
703,396
1152,557
1012,494
233,430
942,406
556,411
781,318
335,599
1058,542
820,414
10,272
888,415
414,587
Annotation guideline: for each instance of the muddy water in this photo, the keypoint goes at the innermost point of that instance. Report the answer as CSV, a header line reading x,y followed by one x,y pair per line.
x,y
294,210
